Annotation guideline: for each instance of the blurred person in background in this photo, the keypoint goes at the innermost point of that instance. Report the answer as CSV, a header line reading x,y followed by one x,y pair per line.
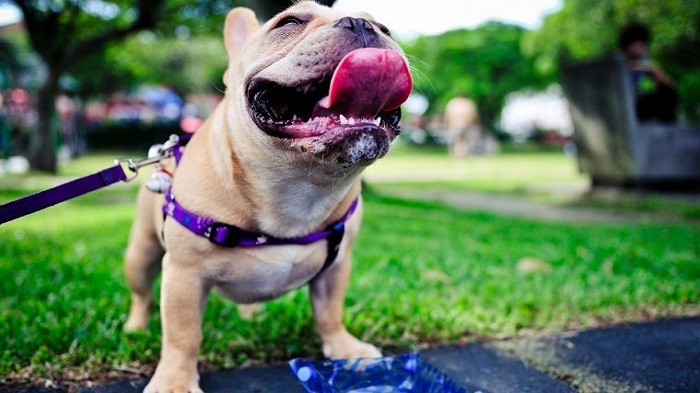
x,y
461,121
656,97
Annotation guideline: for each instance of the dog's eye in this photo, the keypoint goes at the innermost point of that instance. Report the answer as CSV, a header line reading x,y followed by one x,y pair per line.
x,y
384,29
289,21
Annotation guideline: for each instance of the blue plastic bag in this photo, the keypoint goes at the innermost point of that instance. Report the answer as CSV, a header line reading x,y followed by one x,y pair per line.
x,y
404,373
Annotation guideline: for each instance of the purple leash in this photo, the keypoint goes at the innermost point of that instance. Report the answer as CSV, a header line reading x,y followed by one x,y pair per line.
x,y
75,188
221,234
43,199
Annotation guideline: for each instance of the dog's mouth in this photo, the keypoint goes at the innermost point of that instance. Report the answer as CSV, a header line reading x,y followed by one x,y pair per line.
x,y
365,92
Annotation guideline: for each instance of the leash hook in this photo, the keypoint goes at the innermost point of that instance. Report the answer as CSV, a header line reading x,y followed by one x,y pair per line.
x,y
155,155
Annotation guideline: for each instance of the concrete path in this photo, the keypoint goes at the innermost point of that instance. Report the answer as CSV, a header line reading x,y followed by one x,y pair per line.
x,y
659,356
654,357
515,206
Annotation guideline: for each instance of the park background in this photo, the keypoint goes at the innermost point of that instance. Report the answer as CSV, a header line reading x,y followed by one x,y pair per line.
x,y
86,81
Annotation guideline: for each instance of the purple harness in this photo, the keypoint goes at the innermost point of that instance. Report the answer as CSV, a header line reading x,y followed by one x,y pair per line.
x,y
226,235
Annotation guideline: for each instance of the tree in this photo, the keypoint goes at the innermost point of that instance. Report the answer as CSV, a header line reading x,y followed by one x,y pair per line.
x,y
195,64
485,64
65,32
10,62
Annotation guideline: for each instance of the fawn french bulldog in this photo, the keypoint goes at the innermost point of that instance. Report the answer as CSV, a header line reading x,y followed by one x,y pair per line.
x,y
266,197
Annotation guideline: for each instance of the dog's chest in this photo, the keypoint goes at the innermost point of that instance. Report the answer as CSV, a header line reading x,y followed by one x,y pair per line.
x,y
262,273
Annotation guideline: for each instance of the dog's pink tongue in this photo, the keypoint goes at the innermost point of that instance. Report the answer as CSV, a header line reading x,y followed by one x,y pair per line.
x,y
367,81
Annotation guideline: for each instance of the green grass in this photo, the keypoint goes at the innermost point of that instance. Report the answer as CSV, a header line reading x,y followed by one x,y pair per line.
x,y
517,171
424,273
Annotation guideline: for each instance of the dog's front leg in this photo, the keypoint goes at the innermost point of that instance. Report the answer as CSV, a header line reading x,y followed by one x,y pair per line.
x,y
183,295
327,299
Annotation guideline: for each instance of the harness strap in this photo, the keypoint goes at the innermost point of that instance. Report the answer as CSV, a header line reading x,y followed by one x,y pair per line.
x,y
226,235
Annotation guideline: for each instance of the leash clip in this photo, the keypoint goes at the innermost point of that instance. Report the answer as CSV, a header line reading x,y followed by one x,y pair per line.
x,y
131,164
155,154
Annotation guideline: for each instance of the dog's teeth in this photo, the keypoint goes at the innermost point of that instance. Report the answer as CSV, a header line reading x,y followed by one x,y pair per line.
x,y
351,121
343,120
377,121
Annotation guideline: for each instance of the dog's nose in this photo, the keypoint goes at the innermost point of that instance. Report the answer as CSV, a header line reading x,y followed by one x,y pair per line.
x,y
360,27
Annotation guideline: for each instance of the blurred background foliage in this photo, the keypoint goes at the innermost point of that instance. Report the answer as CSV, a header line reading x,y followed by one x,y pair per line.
x,y
585,29
76,40
92,49
490,61
485,64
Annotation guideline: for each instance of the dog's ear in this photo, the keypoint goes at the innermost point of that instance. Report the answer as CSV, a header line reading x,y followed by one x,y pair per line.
x,y
240,24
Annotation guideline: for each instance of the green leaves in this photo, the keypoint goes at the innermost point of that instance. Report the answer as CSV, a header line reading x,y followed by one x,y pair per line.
x,y
486,64
189,65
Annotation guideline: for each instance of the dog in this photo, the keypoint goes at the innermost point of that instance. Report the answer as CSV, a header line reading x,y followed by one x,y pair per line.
x,y
312,98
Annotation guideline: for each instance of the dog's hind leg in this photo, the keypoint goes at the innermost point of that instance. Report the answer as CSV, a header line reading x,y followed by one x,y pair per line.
x,y
142,261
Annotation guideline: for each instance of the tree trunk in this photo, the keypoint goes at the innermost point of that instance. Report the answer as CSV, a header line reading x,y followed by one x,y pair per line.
x,y
42,151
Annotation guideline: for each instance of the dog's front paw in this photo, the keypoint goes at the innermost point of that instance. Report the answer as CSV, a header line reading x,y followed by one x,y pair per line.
x,y
173,383
344,345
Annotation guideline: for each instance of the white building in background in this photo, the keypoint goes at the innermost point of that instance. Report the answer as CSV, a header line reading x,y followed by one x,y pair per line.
x,y
527,111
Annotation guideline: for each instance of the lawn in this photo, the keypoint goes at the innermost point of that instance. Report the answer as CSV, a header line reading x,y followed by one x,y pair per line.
x,y
424,274
519,170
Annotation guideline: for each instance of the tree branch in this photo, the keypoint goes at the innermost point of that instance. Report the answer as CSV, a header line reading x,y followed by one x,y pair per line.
x,y
72,19
33,23
148,15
